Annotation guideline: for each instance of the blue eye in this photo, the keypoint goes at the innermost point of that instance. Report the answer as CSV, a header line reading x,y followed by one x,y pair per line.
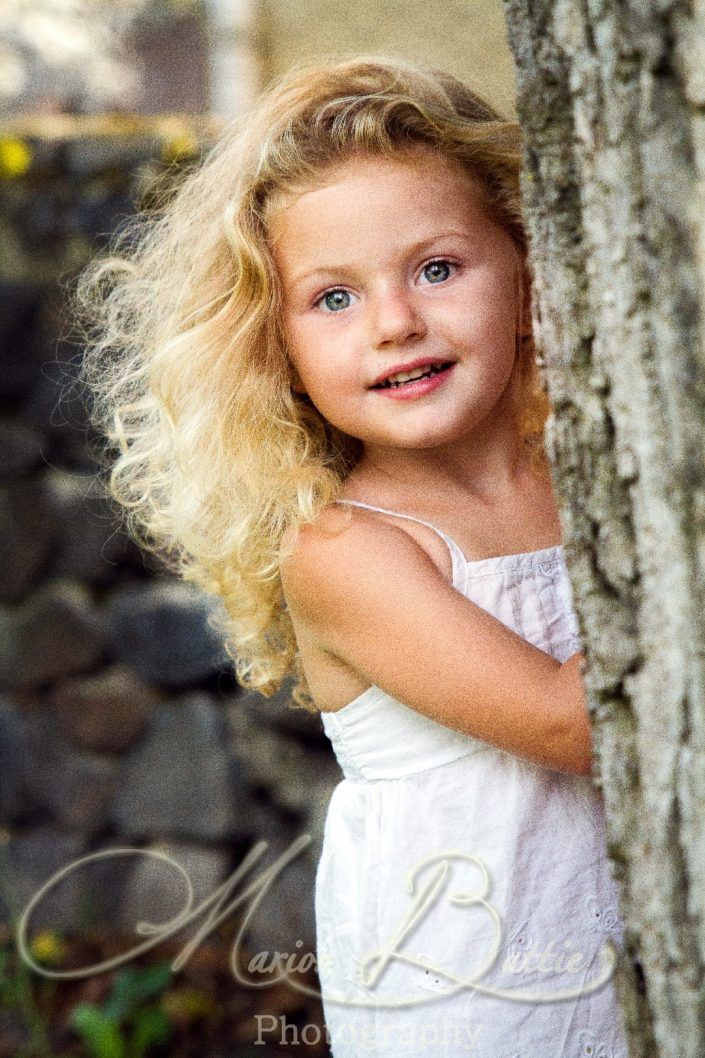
x,y
335,300
437,271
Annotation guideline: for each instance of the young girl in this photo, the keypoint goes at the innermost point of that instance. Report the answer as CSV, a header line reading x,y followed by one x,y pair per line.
x,y
317,367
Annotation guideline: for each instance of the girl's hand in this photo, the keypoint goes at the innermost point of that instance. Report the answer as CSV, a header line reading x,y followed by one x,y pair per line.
x,y
371,597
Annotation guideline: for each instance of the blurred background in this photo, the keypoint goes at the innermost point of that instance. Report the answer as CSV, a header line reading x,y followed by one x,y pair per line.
x,y
121,726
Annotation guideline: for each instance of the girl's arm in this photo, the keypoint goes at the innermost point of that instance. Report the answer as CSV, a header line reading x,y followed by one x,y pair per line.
x,y
371,596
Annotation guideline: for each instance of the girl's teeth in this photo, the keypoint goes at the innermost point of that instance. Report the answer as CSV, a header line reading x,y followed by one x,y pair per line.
x,y
406,376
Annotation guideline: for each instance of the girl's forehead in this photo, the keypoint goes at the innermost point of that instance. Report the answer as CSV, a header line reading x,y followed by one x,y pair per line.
x,y
422,181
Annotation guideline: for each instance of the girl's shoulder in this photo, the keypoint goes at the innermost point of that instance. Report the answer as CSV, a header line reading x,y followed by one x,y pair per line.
x,y
336,566
298,540
344,534
337,530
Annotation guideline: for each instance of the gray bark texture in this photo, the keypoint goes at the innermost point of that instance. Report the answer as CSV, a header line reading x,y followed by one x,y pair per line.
x,y
611,98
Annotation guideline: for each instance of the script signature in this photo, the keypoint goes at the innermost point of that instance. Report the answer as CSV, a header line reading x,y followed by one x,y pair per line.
x,y
424,895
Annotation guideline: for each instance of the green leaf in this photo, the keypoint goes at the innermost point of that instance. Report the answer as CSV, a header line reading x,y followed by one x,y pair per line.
x,y
133,986
100,1034
151,1026
8,991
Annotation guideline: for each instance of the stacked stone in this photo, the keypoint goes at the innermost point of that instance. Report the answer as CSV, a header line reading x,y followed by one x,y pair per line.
x,y
121,725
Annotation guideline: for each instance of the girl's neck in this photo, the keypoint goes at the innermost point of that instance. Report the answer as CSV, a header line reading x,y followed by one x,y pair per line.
x,y
437,477
520,516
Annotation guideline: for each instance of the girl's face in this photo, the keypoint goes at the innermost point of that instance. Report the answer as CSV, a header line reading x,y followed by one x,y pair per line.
x,y
395,266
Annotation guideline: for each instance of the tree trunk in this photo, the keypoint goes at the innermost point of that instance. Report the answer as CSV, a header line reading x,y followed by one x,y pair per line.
x,y
611,99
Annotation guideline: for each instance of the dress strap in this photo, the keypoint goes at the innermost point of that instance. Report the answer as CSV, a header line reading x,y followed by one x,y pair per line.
x,y
457,556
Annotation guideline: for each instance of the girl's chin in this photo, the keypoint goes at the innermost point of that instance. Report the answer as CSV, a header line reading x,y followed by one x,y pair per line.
x,y
415,440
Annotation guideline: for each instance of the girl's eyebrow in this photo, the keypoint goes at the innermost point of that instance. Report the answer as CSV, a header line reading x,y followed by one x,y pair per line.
x,y
343,269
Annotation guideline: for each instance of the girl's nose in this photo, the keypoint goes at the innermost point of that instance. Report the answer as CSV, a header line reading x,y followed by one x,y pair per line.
x,y
396,318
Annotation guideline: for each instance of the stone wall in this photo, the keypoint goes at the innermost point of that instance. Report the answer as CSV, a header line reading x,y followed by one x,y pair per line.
x,y
121,724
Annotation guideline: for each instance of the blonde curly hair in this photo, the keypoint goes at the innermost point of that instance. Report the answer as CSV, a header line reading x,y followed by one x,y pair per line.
x,y
211,454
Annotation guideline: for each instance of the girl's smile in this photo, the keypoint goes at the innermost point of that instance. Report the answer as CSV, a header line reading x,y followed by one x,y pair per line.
x,y
423,380
392,269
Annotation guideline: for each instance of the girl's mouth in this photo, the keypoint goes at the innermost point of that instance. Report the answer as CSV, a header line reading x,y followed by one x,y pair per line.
x,y
417,387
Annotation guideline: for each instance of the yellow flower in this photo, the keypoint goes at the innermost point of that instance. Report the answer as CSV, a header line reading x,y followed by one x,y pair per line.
x,y
180,146
47,947
15,157
187,1005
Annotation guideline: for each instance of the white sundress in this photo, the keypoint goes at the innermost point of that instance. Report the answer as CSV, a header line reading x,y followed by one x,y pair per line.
x,y
464,902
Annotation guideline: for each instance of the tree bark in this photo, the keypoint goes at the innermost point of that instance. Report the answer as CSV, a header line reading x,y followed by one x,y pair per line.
x,y
611,99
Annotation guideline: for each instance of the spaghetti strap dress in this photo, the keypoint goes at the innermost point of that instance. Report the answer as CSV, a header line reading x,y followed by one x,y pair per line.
x,y
464,900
